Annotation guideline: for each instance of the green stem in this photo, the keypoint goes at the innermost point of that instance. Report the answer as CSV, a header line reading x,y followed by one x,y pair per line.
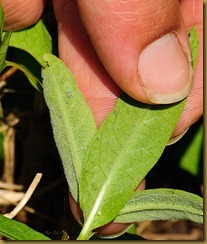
x,y
85,234
33,80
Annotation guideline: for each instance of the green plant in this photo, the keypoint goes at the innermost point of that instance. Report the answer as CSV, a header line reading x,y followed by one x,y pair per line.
x,y
109,162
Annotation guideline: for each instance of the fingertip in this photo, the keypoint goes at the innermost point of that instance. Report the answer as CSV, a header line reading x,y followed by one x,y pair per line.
x,y
21,14
123,33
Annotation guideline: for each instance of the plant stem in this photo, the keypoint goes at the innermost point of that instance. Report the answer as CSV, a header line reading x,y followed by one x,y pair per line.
x,y
85,234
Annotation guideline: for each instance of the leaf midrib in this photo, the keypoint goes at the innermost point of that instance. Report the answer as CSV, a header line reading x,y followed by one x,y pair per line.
x,y
119,156
110,174
69,134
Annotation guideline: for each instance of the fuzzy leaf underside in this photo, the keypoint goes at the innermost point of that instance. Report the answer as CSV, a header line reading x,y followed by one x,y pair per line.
x,y
15,230
127,145
72,121
162,204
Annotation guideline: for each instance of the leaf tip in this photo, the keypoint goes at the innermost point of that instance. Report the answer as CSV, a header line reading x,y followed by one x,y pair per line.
x,y
48,58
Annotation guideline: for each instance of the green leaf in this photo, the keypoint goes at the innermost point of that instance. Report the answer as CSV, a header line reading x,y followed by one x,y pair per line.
x,y
1,22
127,145
194,43
4,41
72,121
35,40
162,204
132,230
34,80
191,158
26,50
15,230
3,49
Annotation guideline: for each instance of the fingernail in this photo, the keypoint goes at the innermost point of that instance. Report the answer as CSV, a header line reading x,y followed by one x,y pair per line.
x,y
176,138
165,70
112,236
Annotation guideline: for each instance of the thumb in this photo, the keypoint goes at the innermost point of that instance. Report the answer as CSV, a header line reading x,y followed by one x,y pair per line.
x,y
143,46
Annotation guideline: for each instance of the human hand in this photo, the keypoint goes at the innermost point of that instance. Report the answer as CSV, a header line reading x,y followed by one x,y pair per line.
x,y
118,33
112,60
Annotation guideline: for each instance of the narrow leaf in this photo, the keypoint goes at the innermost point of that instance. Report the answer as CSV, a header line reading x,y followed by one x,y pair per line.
x,y
127,145
15,230
72,121
162,204
33,77
1,22
3,49
191,159
194,42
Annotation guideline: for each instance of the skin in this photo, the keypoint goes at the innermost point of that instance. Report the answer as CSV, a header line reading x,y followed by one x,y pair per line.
x,y
107,58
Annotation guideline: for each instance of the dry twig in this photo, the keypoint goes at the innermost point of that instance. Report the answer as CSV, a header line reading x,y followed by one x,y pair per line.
x,y
26,197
